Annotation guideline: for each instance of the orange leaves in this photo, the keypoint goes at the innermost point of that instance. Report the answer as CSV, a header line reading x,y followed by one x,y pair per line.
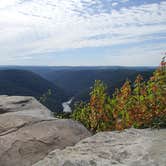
x,y
125,90
154,88
163,63
97,101
119,125
142,106
138,79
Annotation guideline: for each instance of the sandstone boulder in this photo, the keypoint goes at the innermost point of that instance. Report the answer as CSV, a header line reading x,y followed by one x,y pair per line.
x,y
128,148
23,105
28,132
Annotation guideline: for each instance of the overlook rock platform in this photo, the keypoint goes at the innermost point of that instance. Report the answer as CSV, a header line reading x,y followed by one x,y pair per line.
x,y
28,132
131,147
29,135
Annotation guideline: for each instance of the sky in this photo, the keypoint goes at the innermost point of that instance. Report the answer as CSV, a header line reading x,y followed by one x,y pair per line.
x,y
82,32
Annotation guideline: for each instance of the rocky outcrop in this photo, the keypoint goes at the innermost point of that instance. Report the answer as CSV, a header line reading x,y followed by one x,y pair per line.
x,y
19,105
28,132
128,148
29,135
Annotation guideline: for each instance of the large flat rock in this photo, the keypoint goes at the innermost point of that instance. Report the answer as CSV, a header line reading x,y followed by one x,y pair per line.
x,y
29,140
128,148
23,105
28,132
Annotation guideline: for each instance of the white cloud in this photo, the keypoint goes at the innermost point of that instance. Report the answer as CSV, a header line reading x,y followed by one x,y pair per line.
x,y
124,1
7,3
29,27
149,55
114,3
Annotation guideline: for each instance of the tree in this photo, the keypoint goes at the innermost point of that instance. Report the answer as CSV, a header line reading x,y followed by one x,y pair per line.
x,y
157,96
98,114
93,114
121,100
45,96
142,106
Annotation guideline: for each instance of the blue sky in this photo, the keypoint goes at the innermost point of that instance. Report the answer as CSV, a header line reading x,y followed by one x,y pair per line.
x,y
82,32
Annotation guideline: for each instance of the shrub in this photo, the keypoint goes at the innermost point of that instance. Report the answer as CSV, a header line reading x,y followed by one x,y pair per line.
x,y
142,106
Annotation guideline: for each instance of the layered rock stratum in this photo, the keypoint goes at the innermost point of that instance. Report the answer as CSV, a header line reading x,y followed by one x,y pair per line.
x,y
28,132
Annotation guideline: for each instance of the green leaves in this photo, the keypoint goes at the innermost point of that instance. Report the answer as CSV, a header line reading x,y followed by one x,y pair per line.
x,y
142,106
45,96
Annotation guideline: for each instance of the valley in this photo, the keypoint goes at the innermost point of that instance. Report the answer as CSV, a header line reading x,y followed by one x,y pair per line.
x,y
64,82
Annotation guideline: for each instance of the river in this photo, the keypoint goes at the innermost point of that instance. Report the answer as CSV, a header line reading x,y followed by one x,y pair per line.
x,y
66,106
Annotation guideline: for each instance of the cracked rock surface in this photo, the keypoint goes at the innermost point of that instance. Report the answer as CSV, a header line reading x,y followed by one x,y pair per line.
x,y
28,132
131,147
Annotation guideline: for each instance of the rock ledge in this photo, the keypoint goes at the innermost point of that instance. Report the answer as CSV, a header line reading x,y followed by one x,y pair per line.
x,y
131,147
28,132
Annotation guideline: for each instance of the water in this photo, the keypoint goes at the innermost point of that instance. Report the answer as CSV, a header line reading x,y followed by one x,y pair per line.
x,y
66,106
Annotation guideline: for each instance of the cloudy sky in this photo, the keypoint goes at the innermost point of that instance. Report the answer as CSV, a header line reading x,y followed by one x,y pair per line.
x,y
82,32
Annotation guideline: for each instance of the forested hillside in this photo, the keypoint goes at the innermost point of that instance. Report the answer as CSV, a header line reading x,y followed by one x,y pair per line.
x,y
26,83
64,82
77,83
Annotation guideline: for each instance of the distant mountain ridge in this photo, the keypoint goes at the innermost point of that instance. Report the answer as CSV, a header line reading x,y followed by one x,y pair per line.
x,y
45,69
